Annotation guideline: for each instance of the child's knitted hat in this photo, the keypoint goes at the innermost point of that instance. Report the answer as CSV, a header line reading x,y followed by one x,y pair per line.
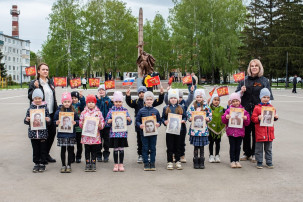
x,y
148,94
264,92
200,92
118,96
91,98
142,89
66,96
75,94
102,86
37,93
235,96
173,93
213,97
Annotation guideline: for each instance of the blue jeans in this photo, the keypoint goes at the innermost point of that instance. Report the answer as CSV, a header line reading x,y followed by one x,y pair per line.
x,y
149,145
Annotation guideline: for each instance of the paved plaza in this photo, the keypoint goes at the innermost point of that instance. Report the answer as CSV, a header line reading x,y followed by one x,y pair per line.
x,y
217,182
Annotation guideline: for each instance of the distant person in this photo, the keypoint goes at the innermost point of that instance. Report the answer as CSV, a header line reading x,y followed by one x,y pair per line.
x,y
110,76
294,83
84,83
153,75
191,84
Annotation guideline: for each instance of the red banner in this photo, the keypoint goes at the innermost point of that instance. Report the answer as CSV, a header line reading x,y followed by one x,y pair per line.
x,y
153,81
30,71
75,83
222,91
94,82
171,79
212,92
109,84
60,81
187,80
239,77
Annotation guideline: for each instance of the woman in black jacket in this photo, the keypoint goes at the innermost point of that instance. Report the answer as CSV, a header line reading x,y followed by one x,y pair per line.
x,y
250,91
49,96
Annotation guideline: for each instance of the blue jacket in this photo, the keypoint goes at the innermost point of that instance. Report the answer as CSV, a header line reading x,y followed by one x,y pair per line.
x,y
147,111
173,110
76,119
104,104
79,107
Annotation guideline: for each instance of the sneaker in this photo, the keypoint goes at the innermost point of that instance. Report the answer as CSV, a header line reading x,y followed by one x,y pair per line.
x,y
217,159
116,168
93,167
182,159
87,167
259,165
99,159
244,158
211,159
146,167
152,167
68,169
140,159
253,159
42,168
174,160
121,168
63,169
238,165
50,159
170,166
179,165
233,164
270,165
78,160
36,168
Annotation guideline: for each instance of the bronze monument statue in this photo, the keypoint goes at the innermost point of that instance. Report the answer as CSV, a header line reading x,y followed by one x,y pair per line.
x,y
145,61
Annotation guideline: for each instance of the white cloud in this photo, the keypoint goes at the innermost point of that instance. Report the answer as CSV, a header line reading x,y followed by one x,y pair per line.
x,y
33,23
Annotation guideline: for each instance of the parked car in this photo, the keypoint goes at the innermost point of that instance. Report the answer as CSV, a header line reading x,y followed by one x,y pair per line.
x,y
299,80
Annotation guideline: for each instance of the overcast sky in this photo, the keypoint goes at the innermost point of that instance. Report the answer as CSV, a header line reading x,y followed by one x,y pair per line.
x,y
33,23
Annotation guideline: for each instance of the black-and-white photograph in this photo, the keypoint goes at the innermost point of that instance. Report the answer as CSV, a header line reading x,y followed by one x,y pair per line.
x,y
174,123
90,126
199,121
236,118
119,123
66,120
267,114
37,119
150,127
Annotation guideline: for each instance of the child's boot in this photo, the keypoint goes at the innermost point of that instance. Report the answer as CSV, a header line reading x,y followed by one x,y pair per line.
x,y
87,166
121,168
42,168
68,169
36,168
152,167
179,165
116,168
146,167
93,167
195,160
201,162
63,169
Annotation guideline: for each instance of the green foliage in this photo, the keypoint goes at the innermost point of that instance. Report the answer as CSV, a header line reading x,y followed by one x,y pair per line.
x,y
2,68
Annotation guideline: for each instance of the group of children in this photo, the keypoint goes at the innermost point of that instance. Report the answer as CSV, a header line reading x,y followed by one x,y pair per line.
x,y
102,107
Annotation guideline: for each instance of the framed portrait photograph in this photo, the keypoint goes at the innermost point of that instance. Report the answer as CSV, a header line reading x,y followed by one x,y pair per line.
x,y
199,120
174,123
37,119
268,115
119,123
150,125
90,126
236,117
66,119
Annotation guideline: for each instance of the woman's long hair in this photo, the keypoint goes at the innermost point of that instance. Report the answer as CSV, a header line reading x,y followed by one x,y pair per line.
x,y
261,69
195,104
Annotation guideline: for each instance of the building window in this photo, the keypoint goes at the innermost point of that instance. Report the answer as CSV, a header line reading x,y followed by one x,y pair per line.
x,y
17,77
9,67
27,52
13,59
17,59
14,50
13,67
17,68
14,77
17,51
5,48
9,58
9,40
5,57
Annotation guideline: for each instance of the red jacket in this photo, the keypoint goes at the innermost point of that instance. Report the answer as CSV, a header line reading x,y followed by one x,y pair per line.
x,y
263,133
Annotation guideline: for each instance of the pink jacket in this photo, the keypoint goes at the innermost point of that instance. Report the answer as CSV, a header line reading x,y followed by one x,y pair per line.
x,y
92,113
235,132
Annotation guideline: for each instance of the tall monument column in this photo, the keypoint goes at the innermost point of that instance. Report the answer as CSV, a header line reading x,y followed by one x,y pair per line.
x,y
140,42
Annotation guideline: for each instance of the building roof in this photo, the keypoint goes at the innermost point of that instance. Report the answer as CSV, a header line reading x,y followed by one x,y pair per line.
x,y
1,33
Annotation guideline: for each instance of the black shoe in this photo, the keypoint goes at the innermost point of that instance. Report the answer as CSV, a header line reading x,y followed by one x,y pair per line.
x,y
201,162
152,167
146,167
42,168
196,165
36,168
93,167
99,159
87,167
105,157
50,159
78,160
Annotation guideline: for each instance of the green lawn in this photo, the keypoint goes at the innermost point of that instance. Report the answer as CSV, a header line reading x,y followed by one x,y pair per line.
x,y
181,86
14,87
